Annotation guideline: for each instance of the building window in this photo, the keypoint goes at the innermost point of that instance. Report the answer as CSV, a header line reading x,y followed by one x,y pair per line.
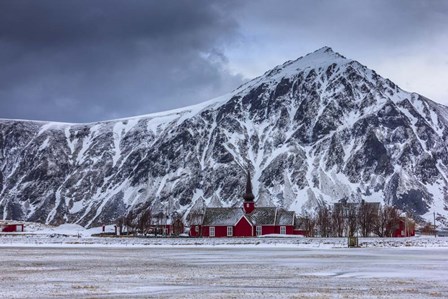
x,y
283,230
259,231
229,231
211,231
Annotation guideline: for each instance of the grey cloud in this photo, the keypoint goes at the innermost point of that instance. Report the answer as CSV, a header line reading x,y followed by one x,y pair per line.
x,y
345,20
91,60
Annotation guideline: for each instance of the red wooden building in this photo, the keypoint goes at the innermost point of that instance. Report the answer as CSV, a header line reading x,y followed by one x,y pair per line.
x,y
246,221
10,227
405,228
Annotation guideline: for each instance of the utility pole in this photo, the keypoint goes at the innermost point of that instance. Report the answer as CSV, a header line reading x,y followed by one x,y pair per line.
x,y
405,229
435,232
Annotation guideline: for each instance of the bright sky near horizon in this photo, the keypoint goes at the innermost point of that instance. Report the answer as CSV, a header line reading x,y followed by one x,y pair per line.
x,y
83,61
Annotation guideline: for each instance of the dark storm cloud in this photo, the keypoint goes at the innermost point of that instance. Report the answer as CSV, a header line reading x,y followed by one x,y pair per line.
x,y
93,60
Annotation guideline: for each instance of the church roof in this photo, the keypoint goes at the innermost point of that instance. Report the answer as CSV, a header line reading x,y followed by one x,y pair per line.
x,y
259,216
196,219
284,217
262,216
222,216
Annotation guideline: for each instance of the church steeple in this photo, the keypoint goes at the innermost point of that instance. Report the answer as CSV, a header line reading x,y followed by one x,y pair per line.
x,y
249,197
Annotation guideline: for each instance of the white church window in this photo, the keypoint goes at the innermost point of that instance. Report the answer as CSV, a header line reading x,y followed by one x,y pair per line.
x,y
283,230
229,231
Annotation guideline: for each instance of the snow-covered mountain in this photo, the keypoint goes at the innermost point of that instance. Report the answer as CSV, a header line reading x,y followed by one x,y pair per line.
x,y
313,130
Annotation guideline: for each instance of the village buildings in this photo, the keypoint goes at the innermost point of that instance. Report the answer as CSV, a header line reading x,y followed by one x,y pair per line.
x,y
346,219
369,218
246,221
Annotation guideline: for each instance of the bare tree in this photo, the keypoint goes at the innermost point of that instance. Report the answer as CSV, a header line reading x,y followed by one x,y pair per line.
x,y
130,222
387,222
337,221
324,220
352,220
309,223
159,221
367,217
177,224
119,224
144,221
380,225
392,220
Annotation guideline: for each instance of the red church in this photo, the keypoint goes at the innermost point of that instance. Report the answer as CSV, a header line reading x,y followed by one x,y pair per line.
x,y
246,221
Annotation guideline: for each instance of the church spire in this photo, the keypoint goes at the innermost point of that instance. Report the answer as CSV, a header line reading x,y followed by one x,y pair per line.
x,y
248,196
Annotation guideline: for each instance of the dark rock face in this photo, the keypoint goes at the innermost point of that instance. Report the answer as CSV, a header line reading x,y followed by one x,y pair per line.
x,y
314,130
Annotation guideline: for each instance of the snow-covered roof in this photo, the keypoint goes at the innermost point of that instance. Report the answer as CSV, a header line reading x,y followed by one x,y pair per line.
x,y
284,217
11,222
262,216
222,216
196,219
259,216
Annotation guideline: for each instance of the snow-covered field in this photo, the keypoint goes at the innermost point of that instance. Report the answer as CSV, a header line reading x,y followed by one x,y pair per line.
x,y
68,262
37,234
254,271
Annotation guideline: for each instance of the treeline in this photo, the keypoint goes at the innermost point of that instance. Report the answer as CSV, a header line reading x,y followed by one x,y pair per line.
x,y
146,222
364,219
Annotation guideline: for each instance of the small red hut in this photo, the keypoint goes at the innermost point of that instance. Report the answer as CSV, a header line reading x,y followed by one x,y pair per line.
x,y
11,227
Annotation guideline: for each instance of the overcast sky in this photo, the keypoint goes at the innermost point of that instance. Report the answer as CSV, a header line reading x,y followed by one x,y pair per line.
x,y
84,61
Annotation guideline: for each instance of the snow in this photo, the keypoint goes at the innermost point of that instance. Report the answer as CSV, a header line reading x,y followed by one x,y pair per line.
x,y
438,205
85,146
67,261
77,206
257,270
44,145
37,234
70,143
50,126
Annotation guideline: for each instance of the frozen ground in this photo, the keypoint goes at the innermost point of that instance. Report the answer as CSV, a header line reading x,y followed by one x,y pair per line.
x,y
66,261
37,234
63,271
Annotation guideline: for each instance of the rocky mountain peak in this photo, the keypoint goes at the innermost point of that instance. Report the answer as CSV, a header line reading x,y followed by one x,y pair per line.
x,y
312,131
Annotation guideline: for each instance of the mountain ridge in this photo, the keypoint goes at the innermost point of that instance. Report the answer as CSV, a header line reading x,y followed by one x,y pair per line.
x,y
312,131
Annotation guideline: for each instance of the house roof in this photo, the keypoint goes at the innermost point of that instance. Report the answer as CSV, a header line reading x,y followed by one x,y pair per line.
x,y
222,216
9,222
